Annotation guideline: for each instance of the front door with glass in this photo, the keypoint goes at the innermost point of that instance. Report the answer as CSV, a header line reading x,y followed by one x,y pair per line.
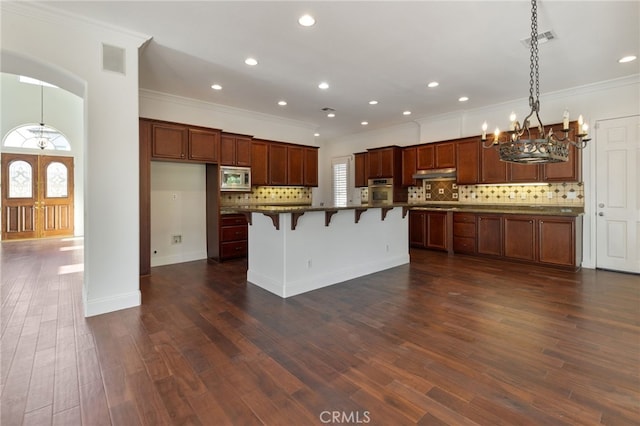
x,y
37,197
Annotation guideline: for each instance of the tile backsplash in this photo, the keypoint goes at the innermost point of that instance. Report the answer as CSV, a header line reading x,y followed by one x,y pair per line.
x,y
556,194
268,195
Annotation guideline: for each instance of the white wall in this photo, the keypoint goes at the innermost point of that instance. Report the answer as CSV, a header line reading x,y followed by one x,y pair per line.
x,y
20,104
67,53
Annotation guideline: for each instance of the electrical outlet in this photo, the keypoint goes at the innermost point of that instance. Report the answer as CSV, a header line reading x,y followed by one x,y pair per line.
x,y
571,195
512,195
549,195
523,196
176,239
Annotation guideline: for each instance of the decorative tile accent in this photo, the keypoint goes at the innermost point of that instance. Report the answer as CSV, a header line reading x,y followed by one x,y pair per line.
x,y
267,195
565,193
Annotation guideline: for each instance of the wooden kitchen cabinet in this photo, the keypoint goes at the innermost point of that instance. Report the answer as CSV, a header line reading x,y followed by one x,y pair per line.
x,y
235,150
361,165
409,166
445,155
489,239
233,236
203,145
569,171
464,233
259,162
559,241
180,142
492,169
278,164
428,229
468,161
386,163
425,157
519,237
310,166
295,165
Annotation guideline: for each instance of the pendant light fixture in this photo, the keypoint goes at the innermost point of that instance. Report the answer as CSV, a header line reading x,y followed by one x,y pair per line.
x,y
42,140
531,146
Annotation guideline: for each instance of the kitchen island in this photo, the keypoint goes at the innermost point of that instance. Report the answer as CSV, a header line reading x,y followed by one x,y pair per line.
x,y
296,249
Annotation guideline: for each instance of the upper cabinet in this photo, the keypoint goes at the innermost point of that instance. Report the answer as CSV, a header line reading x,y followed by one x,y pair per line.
x,y
235,150
310,166
361,160
278,164
409,166
179,142
468,161
259,162
386,163
492,169
564,172
438,155
426,157
295,165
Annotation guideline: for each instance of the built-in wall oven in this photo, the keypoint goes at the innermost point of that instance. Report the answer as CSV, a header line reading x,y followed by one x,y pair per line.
x,y
381,191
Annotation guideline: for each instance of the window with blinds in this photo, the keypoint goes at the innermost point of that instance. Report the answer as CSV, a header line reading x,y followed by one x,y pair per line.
x,y
340,180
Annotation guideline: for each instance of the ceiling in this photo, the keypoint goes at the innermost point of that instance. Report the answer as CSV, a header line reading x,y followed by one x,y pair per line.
x,y
369,50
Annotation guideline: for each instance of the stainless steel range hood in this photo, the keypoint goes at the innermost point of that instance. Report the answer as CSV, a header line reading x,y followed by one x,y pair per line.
x,y
436,174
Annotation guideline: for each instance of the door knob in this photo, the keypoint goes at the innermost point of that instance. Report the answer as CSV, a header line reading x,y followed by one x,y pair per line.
x,y
600,214
601,205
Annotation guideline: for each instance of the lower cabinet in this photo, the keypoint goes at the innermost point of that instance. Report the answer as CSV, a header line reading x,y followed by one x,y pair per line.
x,y
428,230
520,237
233,236
464,233
490,234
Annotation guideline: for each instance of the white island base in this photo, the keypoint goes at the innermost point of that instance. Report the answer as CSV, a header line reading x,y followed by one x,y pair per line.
x,y
356,242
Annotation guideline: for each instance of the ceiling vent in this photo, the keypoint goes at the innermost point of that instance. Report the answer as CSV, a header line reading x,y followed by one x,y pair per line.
x,y
113,58
542,38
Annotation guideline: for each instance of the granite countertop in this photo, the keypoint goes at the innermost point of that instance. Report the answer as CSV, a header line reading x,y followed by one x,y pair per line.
x,y
439,206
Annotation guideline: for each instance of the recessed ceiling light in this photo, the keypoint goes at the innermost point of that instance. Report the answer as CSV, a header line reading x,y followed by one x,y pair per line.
x,y
282,103
324,85
251,61
364,123
626,59
433,84
306,20
373,102
316,134
463,98
331,115
216,87
406,113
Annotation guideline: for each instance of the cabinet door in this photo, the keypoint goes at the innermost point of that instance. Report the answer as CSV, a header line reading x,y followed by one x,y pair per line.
x,y
467,161
445,155
565,172
374,160
557,241
436,230
426,157
168,141
408,166
490,235
259,163
227,150
492,170
524,172
203,145
310,166
277,164
243,152
386,163
361,161
519,237
417,229
295,159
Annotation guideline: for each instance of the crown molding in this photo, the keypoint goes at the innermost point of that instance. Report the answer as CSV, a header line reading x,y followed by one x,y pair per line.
x,y
44,12
196,103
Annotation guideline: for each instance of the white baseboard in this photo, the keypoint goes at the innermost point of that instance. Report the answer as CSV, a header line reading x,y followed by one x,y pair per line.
x,y
112,303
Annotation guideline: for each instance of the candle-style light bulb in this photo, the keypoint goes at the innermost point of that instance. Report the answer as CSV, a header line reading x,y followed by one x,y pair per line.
x,y
484,131
585,129
512,119
565,120
496,135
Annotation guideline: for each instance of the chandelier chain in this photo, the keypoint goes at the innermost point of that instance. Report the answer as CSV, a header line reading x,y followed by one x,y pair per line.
x,y
534,69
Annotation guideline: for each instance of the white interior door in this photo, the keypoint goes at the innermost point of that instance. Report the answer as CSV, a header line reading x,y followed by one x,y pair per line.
x,y
618,194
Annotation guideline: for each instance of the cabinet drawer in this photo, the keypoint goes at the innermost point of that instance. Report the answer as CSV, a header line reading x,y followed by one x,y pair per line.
x,y
233,219
464,218
464,229
233,249
234,233
464,245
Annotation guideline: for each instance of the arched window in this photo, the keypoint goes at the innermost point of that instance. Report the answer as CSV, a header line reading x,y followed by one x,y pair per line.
x,y
27,136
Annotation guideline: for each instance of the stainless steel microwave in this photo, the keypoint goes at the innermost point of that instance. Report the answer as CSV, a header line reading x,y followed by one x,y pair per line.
x,y
235,178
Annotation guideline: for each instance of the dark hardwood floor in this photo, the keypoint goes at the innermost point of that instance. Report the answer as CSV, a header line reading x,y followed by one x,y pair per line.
x,y
445,340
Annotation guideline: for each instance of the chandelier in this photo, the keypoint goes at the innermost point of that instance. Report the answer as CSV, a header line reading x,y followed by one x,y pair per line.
x,y
42,141
531,146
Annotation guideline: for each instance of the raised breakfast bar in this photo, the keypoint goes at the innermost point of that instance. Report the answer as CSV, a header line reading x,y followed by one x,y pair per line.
x,y
293,250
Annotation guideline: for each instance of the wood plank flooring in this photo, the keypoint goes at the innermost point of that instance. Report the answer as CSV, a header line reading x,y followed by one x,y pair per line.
x,y
444,340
